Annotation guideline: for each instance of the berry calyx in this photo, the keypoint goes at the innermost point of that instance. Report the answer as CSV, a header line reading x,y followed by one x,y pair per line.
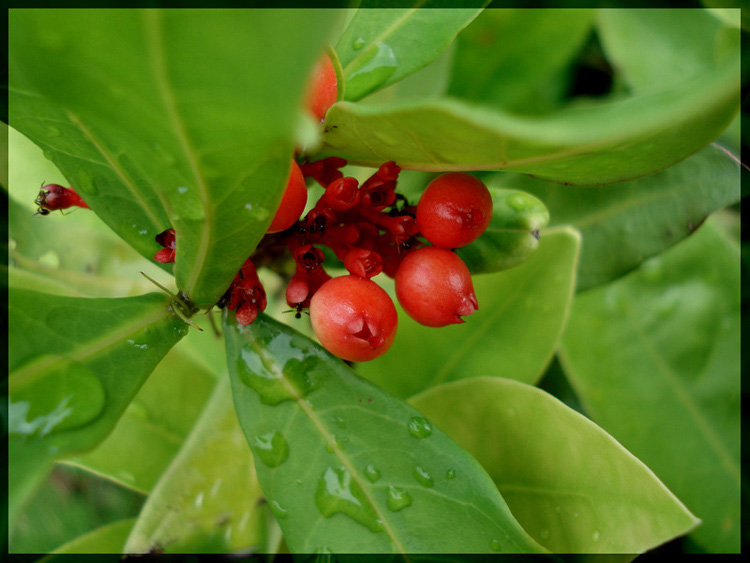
x,y
292,202
454,210
322,90
434,287
354,318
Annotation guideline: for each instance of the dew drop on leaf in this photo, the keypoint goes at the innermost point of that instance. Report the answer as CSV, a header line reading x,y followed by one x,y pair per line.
x,y
358,43
495,545
450,474
338,493
376,65
277,509
595,536
398,499
272,448
419,427
424,477
372,473
294,381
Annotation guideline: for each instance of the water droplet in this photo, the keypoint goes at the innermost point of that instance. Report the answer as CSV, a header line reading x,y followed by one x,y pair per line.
x,y
358,43
338,492
53,131
544,533
338,421
496,545
372,473
84,182
166,156
322,550
397,498
450,474
371,69
271,448
277,509
198,502
419,427
136,345
73,396
595,536
424,477
49,155
295,380
337,443
651,270
181,189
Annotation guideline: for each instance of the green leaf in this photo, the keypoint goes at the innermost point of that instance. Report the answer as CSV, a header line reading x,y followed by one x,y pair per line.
x,y
569,483
207,500
153,427
74,366
157,123
513,233
514,333
655,358
673,45
639,218
381,46
587,145
508,57
106,539
347,468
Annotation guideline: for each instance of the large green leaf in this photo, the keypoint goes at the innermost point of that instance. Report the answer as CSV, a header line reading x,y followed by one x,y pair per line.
x,y
569,483
151,425
588,145
508,57
74,366
671,46
381,46
207,501
655,358
177,118
106,539
639,218
514,333
349,469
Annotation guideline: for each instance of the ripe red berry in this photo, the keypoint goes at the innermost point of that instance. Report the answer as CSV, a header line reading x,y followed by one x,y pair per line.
x,y
322,90
454,210
434,287
292,202
354,318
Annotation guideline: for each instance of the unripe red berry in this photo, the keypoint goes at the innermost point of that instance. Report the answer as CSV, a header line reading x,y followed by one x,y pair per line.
x,y
354,318
434,287
292,202
454,210
322,90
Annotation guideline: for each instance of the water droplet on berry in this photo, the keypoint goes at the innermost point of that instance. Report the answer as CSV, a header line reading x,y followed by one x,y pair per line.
x,y
73,396
424,477
358,43
274,384
419,427
272,448
338,493
277,509
372,473
397,499
496,545
371,69
450,474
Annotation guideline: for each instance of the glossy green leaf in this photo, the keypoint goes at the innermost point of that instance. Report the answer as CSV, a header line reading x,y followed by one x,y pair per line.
x,y
347,468
655,358
512,235
151,425
508,57
107,539
587,145
381,46
184,130
672,45
74,366
514,333
624,225
572,486
207,501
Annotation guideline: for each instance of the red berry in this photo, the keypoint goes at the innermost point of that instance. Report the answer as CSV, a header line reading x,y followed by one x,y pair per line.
x,y
322,90
292,202
354,318
454,210
434,287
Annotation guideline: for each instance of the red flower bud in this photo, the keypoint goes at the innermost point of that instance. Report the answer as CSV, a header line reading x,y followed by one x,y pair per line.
x,y
363,263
